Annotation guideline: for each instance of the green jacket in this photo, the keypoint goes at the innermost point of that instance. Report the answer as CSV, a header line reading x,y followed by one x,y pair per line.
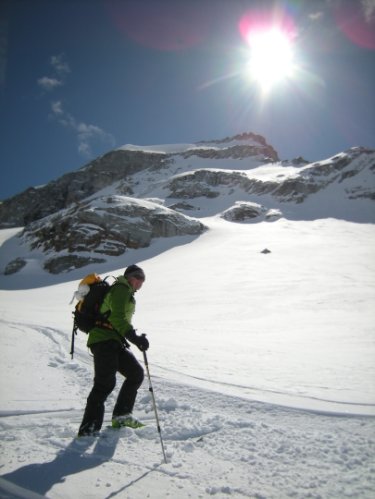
x,y
121,303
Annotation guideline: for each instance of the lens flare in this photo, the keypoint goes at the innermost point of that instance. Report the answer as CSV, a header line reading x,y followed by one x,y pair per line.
x,y
269,36
271,59
258,21
357,23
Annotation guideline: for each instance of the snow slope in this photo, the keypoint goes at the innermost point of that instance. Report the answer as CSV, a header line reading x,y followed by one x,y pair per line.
x,y
262,367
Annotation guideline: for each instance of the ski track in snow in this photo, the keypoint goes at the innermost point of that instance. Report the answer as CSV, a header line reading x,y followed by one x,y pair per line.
x,y
305,402
252,449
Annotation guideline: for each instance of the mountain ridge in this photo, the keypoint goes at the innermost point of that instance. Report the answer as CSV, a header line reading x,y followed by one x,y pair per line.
x,y
134,195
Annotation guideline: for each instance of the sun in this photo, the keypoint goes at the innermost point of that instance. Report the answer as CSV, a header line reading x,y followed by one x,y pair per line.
x,y
271,58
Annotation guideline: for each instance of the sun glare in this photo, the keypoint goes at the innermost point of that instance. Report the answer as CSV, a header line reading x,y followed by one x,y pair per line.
x,y
271,58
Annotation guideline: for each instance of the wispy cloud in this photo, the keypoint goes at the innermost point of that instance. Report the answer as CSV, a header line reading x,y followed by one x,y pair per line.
x,y
48,83
87,135
57,108
59,63
59,69
315,16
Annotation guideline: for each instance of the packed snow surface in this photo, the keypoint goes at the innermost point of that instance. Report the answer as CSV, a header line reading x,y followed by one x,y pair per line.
x,y
262,366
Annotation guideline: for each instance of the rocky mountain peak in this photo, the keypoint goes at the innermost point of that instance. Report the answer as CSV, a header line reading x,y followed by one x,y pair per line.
x,y
132,196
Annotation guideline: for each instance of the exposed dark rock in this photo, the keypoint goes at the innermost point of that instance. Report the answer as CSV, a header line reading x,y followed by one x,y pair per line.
x,y
61,264
234,152
108,226
183,207
243,212
37,203
14,266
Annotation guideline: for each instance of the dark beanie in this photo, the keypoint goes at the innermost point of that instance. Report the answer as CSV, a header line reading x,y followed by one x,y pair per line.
x,y
135,271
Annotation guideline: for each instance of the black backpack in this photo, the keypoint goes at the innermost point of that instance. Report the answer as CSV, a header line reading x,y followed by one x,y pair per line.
x,y
91,292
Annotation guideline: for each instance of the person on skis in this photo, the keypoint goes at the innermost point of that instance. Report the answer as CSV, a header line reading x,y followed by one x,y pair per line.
x,y
110,348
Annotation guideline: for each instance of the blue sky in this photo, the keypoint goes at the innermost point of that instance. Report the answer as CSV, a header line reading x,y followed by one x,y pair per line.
x,y
81,77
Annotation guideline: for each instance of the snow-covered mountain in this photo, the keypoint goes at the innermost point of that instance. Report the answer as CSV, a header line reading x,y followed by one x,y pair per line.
x,y
133,171
258,305
134,195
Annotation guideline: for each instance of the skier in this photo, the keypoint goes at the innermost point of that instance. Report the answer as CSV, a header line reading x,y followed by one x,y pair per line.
x,y
111,353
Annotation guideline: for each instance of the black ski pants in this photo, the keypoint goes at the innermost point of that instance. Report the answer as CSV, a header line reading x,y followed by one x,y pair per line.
x,y
111,357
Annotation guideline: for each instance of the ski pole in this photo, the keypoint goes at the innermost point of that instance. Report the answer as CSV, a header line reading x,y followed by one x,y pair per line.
x,y
74,333
154,404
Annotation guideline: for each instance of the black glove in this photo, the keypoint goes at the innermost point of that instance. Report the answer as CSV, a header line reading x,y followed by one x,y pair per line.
x,y
139,340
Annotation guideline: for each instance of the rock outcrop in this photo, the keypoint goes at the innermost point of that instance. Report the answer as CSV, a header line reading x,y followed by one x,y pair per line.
x,y
118,201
